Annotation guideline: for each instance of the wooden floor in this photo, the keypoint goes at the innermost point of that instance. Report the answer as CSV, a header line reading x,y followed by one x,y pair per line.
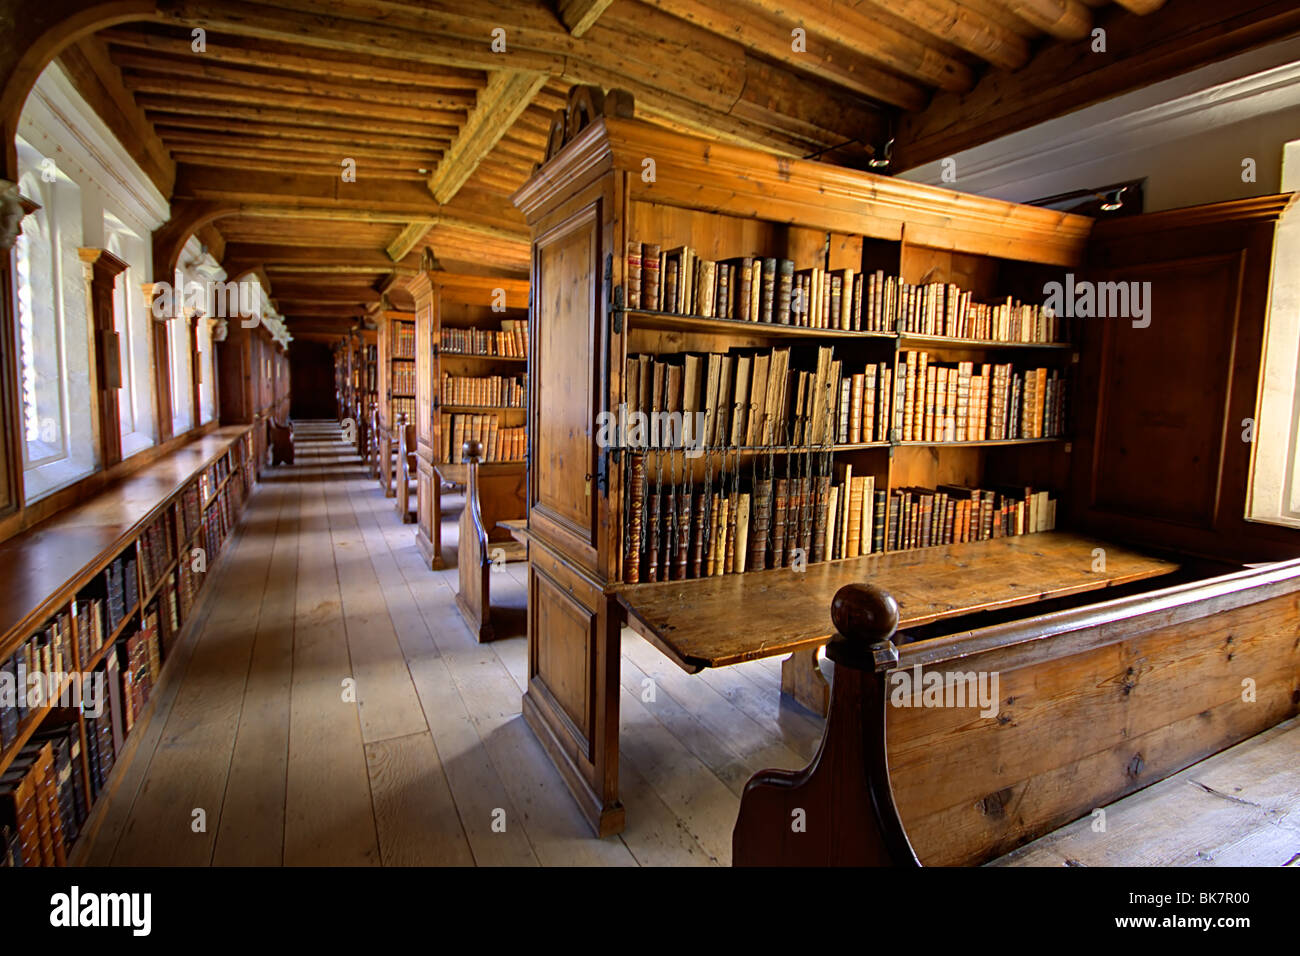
x,y
332,709
433,764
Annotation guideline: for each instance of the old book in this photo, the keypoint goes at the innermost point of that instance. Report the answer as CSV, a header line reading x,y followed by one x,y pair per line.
x,y
692,394
742,533
758,421
652,537
780,509
759,524
632,533
784,287
741,415
650,276
768,295
633,272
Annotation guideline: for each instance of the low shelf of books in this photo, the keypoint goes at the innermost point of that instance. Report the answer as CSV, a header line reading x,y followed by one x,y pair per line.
x,y
83,680
810,396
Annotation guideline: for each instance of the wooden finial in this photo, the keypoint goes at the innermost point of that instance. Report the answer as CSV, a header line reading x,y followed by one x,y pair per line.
x,y
866,618
471,451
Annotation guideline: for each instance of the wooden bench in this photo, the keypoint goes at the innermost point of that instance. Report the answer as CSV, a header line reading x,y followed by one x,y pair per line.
x,y
484,544
279,439
1094,702
406,477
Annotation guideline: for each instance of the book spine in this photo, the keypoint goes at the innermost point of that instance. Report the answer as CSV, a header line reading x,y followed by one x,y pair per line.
x,y
632,533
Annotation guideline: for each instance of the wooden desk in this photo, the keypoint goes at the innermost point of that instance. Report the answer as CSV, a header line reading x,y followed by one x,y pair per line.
x,y
713,622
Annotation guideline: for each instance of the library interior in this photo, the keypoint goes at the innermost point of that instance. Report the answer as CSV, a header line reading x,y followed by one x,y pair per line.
x,y
650,433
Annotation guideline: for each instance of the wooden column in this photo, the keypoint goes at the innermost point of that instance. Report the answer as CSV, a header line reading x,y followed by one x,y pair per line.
x,y
101,270
162,377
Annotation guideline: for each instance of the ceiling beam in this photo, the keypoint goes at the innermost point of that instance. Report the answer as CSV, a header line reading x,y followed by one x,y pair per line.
x,y
409,238
318,102
1065,76
231,48
578,16
843,39
99,82
506,95
715,83
402,94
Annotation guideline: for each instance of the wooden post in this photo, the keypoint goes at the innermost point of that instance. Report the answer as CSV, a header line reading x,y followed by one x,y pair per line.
x,y
102,269
839,810
473,561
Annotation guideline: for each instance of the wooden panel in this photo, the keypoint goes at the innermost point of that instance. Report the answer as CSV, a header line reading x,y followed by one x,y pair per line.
x,y
564,658
1163,412
1076,731
566,379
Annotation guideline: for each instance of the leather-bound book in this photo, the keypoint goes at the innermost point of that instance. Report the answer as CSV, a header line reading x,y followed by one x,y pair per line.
x,y
821,502
780,505
682,545
650,276
729,548
759,521
699,528
633,274
652,538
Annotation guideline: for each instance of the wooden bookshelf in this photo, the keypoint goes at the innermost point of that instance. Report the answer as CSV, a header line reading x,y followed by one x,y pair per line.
x,y
62,561
584,208
395,367
459,308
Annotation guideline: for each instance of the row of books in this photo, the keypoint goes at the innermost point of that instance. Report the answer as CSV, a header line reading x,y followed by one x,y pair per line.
x,y
122,588
158,547
770,289
403,378
30,807
511,341
501,391
91,626
748,398
191,511
48,651
403,340
944,402
500,443
402,406
676,531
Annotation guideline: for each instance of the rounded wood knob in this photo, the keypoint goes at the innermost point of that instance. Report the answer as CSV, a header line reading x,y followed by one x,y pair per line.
x,y
866,617
472,450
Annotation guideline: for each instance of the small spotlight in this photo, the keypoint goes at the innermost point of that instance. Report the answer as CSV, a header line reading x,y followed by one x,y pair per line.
x,y
1114,200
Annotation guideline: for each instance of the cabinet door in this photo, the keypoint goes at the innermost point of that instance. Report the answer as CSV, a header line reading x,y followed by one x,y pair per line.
x,y
567,332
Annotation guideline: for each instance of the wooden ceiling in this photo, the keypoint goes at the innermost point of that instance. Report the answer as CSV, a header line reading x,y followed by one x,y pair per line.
x,y
442,127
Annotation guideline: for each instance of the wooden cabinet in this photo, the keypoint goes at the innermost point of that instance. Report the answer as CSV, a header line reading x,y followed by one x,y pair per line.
x,y
252,381
473,330
584,207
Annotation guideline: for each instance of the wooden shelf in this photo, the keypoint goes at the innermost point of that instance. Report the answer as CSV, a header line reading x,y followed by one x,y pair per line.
x,y
516,359
29,726
979,444
908,339
479,408
671,321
